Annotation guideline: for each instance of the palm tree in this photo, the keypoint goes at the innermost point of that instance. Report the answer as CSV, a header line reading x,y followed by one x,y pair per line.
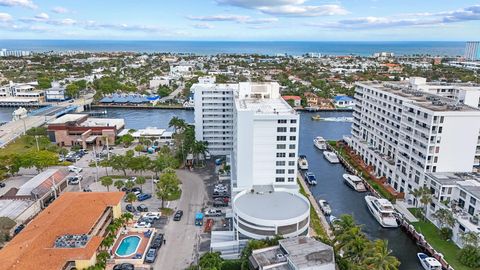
x,y
119,184
444,218
106,181
131,198
380,258
199,148
140,181
177,123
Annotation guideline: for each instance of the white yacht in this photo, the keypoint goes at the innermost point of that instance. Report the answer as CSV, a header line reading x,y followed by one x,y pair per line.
x,y
331,156
325,206
320,143
354,182
382,210
429,263
310,178
302,162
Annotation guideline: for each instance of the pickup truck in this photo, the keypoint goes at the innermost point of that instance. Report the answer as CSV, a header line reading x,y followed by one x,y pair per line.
x,y
213,213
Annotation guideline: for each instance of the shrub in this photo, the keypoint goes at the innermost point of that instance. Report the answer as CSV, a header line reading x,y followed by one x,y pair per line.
x,y
445,233
469,256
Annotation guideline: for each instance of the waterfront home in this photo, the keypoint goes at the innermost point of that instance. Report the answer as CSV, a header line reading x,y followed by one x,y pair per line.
x,y
343,102
312,99
296,100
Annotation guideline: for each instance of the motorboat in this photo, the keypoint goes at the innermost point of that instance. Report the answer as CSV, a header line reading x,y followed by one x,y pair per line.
x,y
325,206
320,143
310,178
354,182
382,210
429,263
331,157
316,117
302,162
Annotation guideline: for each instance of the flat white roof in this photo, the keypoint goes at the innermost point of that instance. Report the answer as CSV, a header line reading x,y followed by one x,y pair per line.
x,y
13,208
277,205
264,105
102,122
67,118
27,188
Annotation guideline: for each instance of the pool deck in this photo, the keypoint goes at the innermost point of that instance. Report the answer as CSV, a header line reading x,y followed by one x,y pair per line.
x,y
141,249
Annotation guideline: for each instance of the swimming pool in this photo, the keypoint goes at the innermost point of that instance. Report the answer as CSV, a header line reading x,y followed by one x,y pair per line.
x,y
128,246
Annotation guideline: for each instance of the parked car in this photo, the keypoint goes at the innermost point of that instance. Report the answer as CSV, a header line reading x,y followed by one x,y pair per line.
x,y
178,215
151,255
130,208
220,203
2,185
142,224
124,266
143,197
18,229
74,169
147,220
74,180
136,189
157,242
154,215
142,208
87,189
213,213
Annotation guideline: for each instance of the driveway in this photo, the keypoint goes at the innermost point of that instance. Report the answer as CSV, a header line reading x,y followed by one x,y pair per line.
x,y
182,237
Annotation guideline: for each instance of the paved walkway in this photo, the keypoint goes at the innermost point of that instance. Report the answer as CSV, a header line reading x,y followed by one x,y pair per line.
x,y
402,207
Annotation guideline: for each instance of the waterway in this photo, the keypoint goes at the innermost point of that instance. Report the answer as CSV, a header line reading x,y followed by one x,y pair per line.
x,y
329,176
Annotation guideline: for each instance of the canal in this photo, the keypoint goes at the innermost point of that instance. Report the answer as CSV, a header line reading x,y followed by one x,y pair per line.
x,y
330,182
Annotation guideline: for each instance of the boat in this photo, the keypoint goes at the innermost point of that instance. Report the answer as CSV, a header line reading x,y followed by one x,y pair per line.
x,y
331,156
316,117
320,143
354,182
382,210
302,162
325,206
310,178
429,263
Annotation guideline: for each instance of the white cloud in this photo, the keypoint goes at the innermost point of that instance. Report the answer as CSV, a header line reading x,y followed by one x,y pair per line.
x,y
20,3
471,13
5,17
42,16
203,26
233,18
60,10
292,8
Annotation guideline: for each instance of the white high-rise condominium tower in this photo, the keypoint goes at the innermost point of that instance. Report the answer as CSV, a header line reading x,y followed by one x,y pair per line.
x,y
404,132
472,50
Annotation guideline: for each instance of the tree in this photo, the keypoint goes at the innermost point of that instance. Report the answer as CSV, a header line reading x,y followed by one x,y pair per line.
x,y
139,148
164,91
106,181
211,260
119,184
380,258
470,256
44,83
72,90
444,217
163,161
127,139
470,239
140,181
177,123
167,185
131,197
199,148
39,159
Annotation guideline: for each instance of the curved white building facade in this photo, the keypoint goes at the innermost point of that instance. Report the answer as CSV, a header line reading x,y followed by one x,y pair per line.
x,y
260,215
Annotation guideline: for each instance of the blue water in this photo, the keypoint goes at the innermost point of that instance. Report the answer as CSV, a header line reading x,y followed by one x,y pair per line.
x,y
241,47
128,246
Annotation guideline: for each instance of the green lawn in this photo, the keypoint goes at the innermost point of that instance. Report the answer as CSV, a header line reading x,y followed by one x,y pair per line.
x,y
22,145
447,248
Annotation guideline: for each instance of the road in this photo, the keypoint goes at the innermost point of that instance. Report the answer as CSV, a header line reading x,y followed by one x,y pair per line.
x,y
182,237
173,94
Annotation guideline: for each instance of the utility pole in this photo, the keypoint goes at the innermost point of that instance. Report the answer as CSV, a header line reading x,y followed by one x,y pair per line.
x,y
36,140
96,164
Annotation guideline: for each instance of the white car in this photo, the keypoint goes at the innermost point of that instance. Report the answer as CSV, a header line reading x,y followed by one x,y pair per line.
x,y
74,169
142,224
153,215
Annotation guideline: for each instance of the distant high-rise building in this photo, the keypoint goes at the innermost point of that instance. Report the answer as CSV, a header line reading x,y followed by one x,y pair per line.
x,y
472,50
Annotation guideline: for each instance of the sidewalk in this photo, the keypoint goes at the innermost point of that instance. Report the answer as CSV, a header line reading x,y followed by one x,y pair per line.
x,y
402,207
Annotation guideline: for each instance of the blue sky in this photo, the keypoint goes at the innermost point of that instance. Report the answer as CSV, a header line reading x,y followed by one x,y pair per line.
x,y
316,20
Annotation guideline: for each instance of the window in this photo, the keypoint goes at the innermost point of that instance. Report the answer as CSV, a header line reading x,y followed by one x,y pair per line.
x,y
281,146
461,203
291,163
291,146
293,129
280,171
291,154
291,171
463,194
473,201
281,129
293,121
281,138
471,210
291,179
282,121
280,179
281,154
293,138
280,163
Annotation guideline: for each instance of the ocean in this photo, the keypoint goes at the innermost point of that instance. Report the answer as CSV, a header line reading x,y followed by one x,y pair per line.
x,y
435,48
